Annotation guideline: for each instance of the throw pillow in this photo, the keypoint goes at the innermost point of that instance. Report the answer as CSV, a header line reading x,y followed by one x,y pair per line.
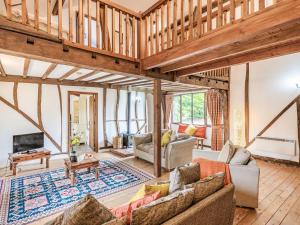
x,y
206,186
166,138
227,152
182,128
241,157
181,176
161,210
200,132
149,189
88,211
125,210
190,130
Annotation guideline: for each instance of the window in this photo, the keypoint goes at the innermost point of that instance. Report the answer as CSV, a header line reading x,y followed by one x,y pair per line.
x,y
189,108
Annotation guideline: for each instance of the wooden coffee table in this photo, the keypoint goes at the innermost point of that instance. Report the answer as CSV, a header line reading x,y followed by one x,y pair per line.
x,y
72,167
16,158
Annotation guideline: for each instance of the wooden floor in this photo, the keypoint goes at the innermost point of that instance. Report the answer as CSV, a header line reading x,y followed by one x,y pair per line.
x,y
279,194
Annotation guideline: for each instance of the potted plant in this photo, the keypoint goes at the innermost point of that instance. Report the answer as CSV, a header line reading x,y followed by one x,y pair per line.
x,y
75,141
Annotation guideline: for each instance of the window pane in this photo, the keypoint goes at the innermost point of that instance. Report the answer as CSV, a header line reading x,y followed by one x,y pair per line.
x,y
198,108
176,109
186,104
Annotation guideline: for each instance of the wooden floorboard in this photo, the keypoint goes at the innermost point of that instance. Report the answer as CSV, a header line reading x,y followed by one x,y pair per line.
x,y
279,194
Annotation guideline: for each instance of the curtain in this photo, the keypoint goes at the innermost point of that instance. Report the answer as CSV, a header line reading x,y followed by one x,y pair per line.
x,y
214,103
169,103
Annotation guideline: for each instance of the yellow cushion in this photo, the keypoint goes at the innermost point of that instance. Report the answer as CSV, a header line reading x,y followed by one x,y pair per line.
x,y
190,130
163,188
165,139
149,189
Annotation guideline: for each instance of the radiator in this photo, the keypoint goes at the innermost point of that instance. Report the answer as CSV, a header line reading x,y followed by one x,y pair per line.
x,y
278,146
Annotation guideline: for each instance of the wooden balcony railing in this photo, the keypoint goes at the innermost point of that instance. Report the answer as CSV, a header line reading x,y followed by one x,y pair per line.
x,y
171,22
99,26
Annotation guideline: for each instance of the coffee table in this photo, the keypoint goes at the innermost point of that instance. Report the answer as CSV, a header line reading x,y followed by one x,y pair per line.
x,y
72,167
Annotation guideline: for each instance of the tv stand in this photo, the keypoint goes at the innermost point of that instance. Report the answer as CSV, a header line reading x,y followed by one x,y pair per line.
x,y
16,158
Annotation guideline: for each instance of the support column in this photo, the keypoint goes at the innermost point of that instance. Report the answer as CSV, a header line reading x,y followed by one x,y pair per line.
x,y
298,122
157,127
247,105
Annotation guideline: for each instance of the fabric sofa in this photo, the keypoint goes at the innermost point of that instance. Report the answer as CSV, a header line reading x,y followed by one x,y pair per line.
x,y
244,177
176,153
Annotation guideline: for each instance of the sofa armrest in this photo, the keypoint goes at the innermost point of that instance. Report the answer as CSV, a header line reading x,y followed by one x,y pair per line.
x,y
179,152
142,139
207,154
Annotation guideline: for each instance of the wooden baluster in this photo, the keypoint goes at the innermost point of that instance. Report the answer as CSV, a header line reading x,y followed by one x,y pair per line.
x,y
225,18
60,19
209,8
232,10
151,33
70,20
156,31
245,8
168,24
174,37
98,23
127,34
220,13
252,6
146,36
140,32
262,4
133,36
24,12
80,21
36,14
89,23
113,32
191,22
49,16
182,20
121,33
199,18
8,9
162,28
105,27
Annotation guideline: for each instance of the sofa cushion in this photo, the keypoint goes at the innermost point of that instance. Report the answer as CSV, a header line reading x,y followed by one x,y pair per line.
x,y
161,210
182,128
166,138
183,175
200,132
88,211
241,157
206,186
146,147
227,152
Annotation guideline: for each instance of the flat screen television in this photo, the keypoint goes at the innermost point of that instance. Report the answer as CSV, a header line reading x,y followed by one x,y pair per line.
x,y
28,142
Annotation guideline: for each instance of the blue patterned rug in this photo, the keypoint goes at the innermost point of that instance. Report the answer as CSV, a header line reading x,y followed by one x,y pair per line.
x,y
24,199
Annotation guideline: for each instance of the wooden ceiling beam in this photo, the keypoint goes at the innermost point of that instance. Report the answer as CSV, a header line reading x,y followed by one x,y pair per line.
x,y
204,82
285,12
262,54
26,67
51,67
2,69
126,82
120,79
69,73
87,75
100,78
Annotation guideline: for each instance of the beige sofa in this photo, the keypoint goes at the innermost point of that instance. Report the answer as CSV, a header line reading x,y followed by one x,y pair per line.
x,y
177,153
216,209
244,177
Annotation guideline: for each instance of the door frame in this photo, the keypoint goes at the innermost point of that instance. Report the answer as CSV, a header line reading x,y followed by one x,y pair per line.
x,y
96,138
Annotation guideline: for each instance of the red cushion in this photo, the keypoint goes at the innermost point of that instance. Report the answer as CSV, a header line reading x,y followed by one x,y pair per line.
x,y
200,132
125,210
182,128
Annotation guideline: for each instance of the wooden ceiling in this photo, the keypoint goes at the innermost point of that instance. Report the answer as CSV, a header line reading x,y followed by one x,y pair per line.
x,y
25,69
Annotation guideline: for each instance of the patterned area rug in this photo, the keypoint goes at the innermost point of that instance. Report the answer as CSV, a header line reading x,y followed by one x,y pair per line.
x,y
24,199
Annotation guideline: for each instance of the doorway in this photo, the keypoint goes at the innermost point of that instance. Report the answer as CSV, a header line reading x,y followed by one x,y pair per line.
x,y
83,120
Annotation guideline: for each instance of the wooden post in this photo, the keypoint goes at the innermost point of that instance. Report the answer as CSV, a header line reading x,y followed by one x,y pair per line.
x,y
151,33
36,14
162,22
24,12
60,19
156,31
191,22
98,23
146,37
199,19
174,37
133,36
168,24
8,9
104,116
49,16
113,32
182,20
209,16
247,105
121,33
232,10
89,23
157,127
80,21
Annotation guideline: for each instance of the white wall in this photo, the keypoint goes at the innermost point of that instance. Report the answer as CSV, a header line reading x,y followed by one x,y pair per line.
x,y
272,86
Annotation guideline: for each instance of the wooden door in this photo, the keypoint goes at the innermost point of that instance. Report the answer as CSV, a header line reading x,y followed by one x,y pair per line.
x,y
92,122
